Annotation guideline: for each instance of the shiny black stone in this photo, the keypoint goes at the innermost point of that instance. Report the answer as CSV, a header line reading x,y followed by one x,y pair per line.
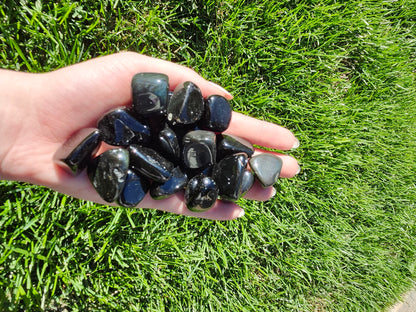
x,y
150,164
230,144
247,182
75,153
108,173
176,183
199,149
134,190
201,193
194,172
150,93
156,124
266,168
168,144
217,114
186,105
228,174
120,128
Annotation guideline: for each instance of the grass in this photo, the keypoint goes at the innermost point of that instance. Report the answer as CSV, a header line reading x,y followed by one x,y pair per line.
x,y
339,237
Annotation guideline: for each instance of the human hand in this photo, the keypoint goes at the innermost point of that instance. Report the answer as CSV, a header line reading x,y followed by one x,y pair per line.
x,y
41,111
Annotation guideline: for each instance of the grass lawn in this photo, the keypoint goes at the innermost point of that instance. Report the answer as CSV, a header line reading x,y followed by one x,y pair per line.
x,y
341,236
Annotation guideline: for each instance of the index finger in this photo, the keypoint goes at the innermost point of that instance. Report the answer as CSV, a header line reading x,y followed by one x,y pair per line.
x,y
261,132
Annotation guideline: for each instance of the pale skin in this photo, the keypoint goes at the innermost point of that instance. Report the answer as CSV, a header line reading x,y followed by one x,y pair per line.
x,y
39,112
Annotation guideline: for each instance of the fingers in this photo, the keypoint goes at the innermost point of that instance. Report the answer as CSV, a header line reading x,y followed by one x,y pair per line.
x,y
222,210
290,166
80,187
257,192
262,133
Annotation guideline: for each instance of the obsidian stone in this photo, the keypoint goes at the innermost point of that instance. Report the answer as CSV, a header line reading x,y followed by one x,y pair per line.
x,y
247,182
168,144
217,114
230,144
201,193
150,93
120,128
266,168
134,190
75,153
194,172
150,164
156,124
108,173
199,149
186,105
228,174
175,184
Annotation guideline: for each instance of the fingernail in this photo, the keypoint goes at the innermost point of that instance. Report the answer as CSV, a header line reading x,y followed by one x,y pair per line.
x,y
297,172
242,213
273,192
296,144
221,89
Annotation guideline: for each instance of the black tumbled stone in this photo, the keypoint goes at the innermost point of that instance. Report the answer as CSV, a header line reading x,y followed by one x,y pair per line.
x,y
199,149
194,172
134,190
168,144
186,105
217,114
247,182
228,174
230,144
266,168
150,93
176,183
75,153
108,173
201,193
120,128
150,163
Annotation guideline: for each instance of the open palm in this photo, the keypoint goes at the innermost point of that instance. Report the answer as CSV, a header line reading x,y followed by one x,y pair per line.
x,y
51,107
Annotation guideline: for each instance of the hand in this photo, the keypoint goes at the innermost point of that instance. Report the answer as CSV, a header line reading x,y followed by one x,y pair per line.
x,y
41,111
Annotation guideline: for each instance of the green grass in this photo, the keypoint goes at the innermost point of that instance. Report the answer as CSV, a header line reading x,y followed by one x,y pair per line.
x,y
339,237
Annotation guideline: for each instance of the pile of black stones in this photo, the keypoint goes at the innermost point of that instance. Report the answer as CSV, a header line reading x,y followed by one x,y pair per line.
x,y
166,142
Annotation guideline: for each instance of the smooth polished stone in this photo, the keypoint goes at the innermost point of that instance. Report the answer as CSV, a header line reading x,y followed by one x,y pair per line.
x,y
228,174
186,105
175,184
230,144
168,144
77,151
217,114
199,149
108,173
150,163
247,182
155,123
266,168
194,172
201,193
134,190
120,128
150,93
